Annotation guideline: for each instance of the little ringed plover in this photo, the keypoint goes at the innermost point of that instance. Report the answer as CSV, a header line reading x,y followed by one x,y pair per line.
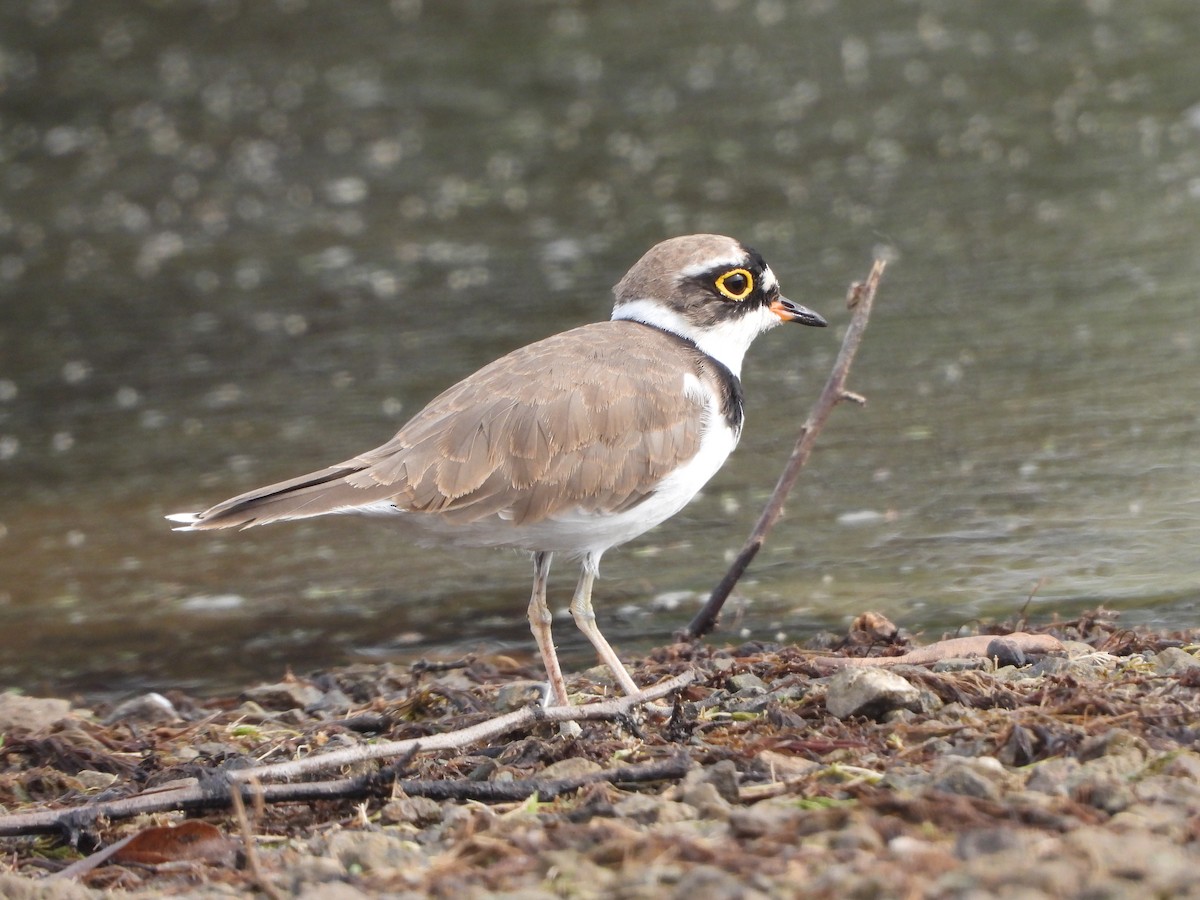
x,y
573,444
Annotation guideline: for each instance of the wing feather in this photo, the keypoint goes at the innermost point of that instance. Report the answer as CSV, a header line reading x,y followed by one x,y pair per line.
x,y
594,431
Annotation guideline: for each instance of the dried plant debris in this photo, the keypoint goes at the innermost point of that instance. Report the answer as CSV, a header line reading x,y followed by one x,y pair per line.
x,y
1017,773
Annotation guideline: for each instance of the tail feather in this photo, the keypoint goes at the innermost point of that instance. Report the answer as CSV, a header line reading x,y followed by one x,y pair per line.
x,y
309,495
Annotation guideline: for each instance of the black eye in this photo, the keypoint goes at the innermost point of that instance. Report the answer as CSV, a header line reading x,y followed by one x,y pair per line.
x,y
736,284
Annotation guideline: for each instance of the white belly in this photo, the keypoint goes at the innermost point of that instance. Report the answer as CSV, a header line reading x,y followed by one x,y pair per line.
x,y
582,532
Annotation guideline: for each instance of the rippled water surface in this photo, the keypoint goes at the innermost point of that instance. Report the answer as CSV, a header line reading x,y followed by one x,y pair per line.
x,y
242,240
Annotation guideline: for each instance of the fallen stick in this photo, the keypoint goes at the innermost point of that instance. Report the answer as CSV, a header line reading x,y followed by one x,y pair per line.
x,y
860,298
81,867
971,647
214,792
456,740
261,881
384,783
670,769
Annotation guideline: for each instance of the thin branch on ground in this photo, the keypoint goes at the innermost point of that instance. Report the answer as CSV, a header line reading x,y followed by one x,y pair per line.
x,y
81,867
860,299
972,646
215,791
670,769
457,740
261,880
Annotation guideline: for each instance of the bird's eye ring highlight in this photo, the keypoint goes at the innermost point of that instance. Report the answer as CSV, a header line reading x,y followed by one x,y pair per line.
x,y
736,284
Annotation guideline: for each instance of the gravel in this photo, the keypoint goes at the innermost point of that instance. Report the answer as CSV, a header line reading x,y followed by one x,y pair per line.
x,y
1068,776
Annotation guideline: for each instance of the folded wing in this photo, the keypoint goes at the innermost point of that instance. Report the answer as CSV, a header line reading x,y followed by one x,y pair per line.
x,y
557,425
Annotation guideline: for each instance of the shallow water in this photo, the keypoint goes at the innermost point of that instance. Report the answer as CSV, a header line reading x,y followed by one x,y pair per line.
x,y
241,241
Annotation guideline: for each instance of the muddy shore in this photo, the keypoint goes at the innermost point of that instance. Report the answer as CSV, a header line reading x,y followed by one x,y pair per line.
x,y
1072,773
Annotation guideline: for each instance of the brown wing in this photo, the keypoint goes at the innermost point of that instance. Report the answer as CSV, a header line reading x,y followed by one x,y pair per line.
x,y
592,418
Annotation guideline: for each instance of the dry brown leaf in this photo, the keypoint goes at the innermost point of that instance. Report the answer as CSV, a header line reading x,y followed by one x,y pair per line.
x,y
193,840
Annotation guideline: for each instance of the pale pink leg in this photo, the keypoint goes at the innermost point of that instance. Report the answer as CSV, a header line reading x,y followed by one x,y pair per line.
x,y
539,623
585,618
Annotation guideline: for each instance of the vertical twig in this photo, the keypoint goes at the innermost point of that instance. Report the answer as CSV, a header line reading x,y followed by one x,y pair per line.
x,y
239,808
859,299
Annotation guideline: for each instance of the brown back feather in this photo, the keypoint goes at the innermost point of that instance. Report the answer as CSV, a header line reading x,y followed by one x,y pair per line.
x,y
591,419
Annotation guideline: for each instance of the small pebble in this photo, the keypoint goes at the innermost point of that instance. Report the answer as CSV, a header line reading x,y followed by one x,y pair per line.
x,y
871,692
284,695
1005,652
746,681
419,811
1173,661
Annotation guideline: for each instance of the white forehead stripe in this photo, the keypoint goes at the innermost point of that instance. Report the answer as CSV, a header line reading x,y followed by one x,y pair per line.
x,y
769,281
715,262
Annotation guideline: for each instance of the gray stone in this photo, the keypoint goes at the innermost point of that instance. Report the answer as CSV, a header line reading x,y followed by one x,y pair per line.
x,y
722,775
926,702
32,713
13,887
306,875
284,695
518,695
1172,822
856,836
1118,766
957,664
250,713
419,811
1104,793
791,693
648,809
750,700
1173,661
1080,666
986,841
1182,764
599,675
1052,776
92,780
713,883
1012,875
333,702
1153,863
1105,781
302,870
706,800
768,817
871,692
1163,789
746,681
969,777
1114,742
775,766
1049,665
1005,652
372,851
906,779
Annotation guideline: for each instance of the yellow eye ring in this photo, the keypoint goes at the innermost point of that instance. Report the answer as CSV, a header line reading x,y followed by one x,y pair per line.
x,y
736,284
